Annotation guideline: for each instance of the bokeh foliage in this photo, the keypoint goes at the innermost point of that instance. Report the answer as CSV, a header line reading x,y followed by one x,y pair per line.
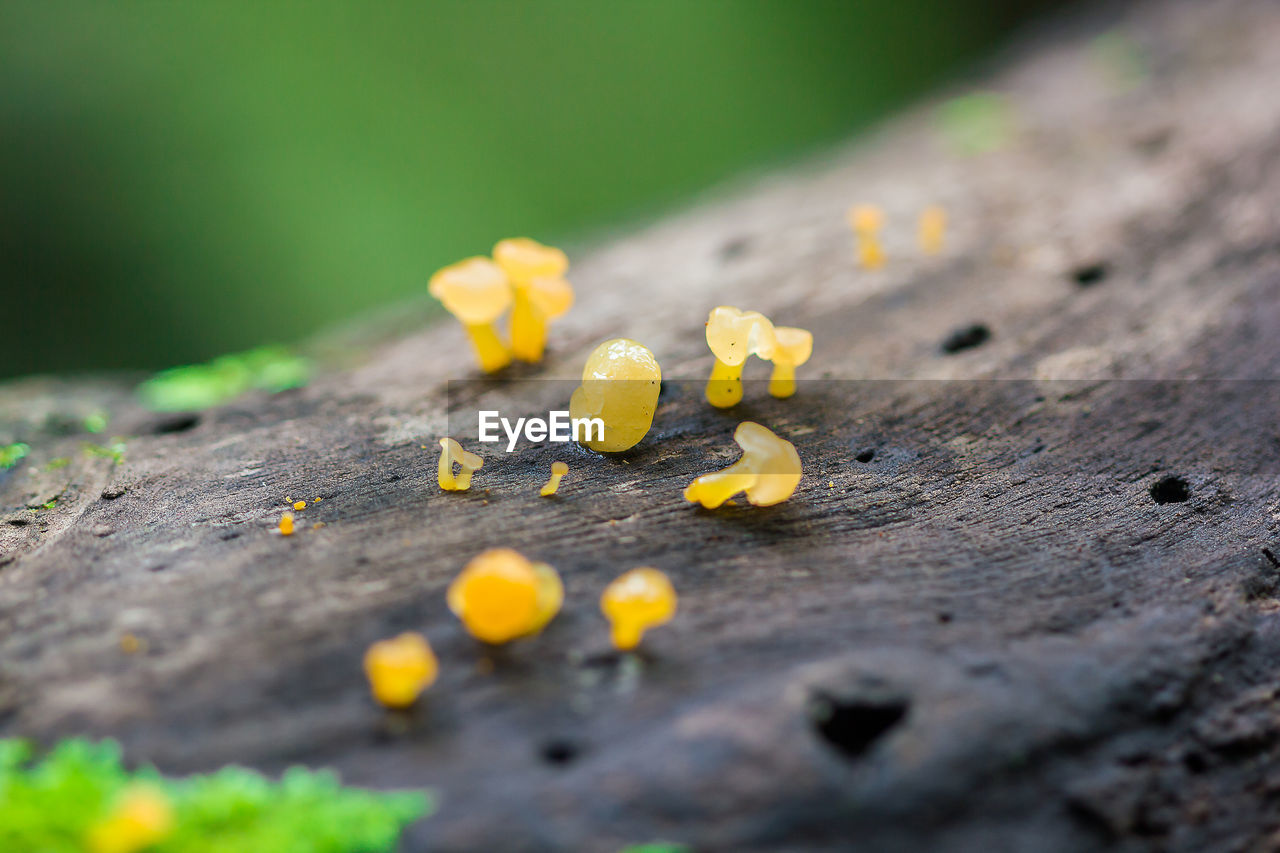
x,y
180,180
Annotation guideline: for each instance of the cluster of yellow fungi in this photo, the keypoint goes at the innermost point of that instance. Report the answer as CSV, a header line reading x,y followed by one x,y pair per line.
x,y
522,275
866,221
769,471
451,453
399,669
637,601
620,386
141,817
733,335
501,596
558,470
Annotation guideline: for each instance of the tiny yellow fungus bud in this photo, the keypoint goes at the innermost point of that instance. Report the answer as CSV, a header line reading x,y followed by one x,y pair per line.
x,y
637,601
501,596
400,669
140,818
541,294
768,471
733,335
286,524
300,505
317,500
558,470
476,291
866,221
451,453
933,229
130,644
793,349
620,386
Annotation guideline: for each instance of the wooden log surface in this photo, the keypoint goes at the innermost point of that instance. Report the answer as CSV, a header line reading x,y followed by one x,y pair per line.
x,y
1024,598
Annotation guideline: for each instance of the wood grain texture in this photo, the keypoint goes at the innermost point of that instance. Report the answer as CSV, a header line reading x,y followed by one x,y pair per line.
x,y
1024,599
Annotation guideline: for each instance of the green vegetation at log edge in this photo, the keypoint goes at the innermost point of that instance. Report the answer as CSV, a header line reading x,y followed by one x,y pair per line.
x,y
201,386
12,454
49,805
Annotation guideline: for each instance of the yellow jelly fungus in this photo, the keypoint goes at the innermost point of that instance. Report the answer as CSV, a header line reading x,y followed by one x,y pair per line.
x,y
733,335
558,470
286,524
501,596
540,292
768,471
637,601
451,453
400,669
140,818
866,221
620,386
933,229
476,291
300,505
130,644
794,348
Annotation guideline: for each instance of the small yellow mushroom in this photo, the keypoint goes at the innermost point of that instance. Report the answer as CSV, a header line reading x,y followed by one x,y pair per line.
x,y
866,221
558,470
637,601
300,505
768,471
794,348
477,292
620,386
501,596
733,335
541,294
451,453
400,669
286,524
933,229
140,818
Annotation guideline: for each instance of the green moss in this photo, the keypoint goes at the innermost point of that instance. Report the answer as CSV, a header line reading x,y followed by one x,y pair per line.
x,y
657,847
11,454
978,123
96,422
55,464
113,451
202,386
49,805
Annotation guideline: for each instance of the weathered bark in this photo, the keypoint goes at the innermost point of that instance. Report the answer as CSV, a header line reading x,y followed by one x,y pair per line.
x,y
1035,614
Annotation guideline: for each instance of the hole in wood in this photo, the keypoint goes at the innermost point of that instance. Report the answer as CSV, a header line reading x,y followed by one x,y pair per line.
x,y
1170,489
966,337
853,724
1090,274
176,424
559,751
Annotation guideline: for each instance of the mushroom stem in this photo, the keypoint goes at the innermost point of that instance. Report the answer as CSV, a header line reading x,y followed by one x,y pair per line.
x,y
626,634
724,388
528,328
870,254
782,382
712,490
490,350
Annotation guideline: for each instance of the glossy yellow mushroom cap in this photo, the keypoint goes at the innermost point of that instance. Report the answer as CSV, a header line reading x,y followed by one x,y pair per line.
x,y
866,218
551,296
476,290
501,596
638,600
620,385
524,260
733,334
400,669
794,345
143,817
769,471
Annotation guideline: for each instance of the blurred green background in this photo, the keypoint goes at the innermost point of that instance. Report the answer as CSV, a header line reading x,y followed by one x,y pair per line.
x,y
181,179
